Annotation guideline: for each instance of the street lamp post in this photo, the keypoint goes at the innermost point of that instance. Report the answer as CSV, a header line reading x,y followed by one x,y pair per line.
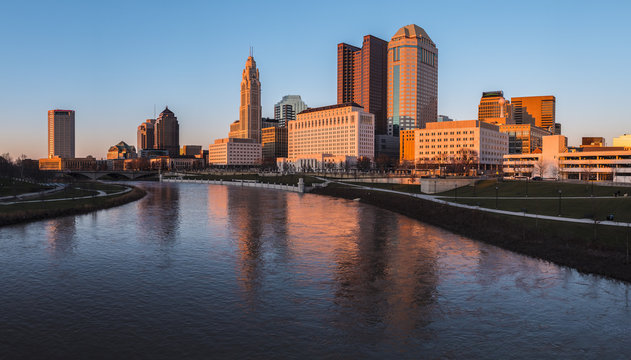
x,y
560,193
496,189
455,193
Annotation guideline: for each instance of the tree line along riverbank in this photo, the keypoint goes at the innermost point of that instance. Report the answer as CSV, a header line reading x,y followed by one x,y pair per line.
x,y
589,248
74,199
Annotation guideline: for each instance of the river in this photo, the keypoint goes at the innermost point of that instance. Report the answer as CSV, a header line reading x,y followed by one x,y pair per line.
x,y
210,271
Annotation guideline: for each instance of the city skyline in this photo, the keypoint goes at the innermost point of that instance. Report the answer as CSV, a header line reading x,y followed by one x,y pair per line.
x,y
108,82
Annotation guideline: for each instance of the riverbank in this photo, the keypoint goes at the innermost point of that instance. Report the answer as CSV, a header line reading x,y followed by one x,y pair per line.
x,y
593,249
21,212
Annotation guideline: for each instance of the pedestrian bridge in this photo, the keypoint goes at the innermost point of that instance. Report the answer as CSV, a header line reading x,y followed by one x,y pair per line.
x,y
95,175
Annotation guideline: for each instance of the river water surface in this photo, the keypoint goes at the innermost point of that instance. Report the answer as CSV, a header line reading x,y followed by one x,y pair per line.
x,y
203,271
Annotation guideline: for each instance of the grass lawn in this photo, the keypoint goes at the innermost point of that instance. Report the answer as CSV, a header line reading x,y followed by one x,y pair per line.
x,y
576,208
415,189
10,187
486,188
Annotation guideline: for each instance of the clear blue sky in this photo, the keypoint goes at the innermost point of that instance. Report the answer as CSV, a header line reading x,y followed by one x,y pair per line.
x,y
112,61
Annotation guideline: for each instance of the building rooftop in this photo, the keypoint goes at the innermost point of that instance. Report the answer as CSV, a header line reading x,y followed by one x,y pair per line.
x,y
411,31
167,111
330,107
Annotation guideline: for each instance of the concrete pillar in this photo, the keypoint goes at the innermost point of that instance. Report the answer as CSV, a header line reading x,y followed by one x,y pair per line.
x,y
301,185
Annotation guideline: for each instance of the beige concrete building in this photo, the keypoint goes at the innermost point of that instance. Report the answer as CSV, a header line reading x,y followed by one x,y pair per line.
x,y
235,151
622,141
412,80
61,133
476,141
556,162
60,164
249,124
336,130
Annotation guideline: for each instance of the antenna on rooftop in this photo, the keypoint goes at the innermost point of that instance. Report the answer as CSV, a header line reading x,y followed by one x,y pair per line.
x,y
154,111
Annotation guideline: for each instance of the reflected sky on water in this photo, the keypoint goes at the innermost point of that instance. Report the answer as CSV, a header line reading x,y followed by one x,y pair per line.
x,y
195,270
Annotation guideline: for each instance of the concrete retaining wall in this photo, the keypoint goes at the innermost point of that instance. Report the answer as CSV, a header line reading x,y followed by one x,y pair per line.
x,y
428,186
239,183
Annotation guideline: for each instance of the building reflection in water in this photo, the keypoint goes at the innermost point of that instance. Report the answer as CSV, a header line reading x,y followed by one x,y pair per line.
x,y
161,211
61,233
245,219
382,274
160,223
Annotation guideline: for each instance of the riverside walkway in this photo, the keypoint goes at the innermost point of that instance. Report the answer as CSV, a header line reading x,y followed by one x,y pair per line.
x,y
99,193
439,200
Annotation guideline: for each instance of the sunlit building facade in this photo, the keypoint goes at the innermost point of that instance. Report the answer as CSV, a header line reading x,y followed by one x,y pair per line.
x,y
622,141
60,164
344,130
494,108
145,136
539,111
61,133
447,141
121,151
524,138
412,80
190,150
362,77
234,151
249,124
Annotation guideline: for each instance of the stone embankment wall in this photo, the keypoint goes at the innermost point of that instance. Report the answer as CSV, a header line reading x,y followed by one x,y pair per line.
x,y
300,188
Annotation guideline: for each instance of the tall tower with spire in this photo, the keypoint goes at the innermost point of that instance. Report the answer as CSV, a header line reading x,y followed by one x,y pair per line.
x,y
250,109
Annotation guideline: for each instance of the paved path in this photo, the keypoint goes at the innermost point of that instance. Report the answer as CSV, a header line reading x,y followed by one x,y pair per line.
x,y
56,188
529,197
100,193
438,200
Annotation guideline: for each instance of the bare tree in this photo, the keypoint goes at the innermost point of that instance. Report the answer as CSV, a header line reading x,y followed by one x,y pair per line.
x,y
464,161
363,163
540,167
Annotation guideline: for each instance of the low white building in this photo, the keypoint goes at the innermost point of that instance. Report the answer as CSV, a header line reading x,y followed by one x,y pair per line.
x,y
555,161
235,151
317,162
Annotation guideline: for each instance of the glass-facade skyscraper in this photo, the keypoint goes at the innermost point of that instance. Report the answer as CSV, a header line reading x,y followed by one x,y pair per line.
x,y
412,80
287,109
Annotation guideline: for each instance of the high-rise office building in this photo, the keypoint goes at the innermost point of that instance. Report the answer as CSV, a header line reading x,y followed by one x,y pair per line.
x,y
535,110
167,132
249,123
494,108
287,109
145,136
412,80
362,77
61,133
